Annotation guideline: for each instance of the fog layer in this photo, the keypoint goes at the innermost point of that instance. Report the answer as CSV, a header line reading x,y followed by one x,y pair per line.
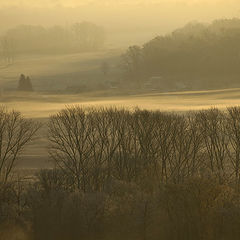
x,y
141,20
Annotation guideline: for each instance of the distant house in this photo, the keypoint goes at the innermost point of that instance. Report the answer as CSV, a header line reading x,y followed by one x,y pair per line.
x,y
180,86
155,82
112,84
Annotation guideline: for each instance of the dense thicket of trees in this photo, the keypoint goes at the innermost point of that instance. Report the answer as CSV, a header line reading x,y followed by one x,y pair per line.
x,y
192,52
84,36
132,174
94,145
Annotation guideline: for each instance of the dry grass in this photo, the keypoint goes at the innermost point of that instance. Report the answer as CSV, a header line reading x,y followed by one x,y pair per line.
x,y
58,71
41,106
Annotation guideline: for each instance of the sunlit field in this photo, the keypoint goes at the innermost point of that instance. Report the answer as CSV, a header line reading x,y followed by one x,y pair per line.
x,y
52,74
41,106
57,71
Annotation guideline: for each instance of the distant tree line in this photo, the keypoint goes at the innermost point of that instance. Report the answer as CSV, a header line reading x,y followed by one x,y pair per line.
x,y
84,36
132,174
194,51
7,50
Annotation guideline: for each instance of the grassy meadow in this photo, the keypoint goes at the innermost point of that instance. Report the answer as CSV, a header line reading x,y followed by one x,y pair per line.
x,y
51,75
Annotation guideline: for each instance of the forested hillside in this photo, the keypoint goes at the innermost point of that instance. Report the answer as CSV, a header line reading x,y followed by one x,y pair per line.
x,y
195,54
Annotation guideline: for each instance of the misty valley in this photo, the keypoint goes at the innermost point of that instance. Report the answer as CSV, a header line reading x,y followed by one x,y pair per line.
x,y
117,130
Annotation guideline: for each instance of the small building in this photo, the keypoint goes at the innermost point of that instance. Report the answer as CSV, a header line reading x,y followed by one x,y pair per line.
x,y
155,82
180,86
112,84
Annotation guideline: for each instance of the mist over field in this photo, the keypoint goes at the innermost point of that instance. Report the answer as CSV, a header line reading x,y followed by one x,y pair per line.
x,y
156,55
119,119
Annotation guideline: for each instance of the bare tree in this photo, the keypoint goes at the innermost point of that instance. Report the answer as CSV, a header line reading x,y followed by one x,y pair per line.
x,y
71,143
85,143
94,145
213,127
233,130
15,133
186,155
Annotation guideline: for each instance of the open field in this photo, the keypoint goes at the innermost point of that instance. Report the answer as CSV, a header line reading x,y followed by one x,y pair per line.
x,y
51,75
60,71
40,106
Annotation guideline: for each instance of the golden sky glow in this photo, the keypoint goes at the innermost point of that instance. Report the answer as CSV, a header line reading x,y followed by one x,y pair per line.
x,y
139,16
73,3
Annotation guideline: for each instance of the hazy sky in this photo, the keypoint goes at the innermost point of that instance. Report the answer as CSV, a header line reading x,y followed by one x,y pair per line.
x,y
149,17
74,3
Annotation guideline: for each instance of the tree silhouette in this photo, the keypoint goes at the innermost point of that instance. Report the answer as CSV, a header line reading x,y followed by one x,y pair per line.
x,y
25,84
